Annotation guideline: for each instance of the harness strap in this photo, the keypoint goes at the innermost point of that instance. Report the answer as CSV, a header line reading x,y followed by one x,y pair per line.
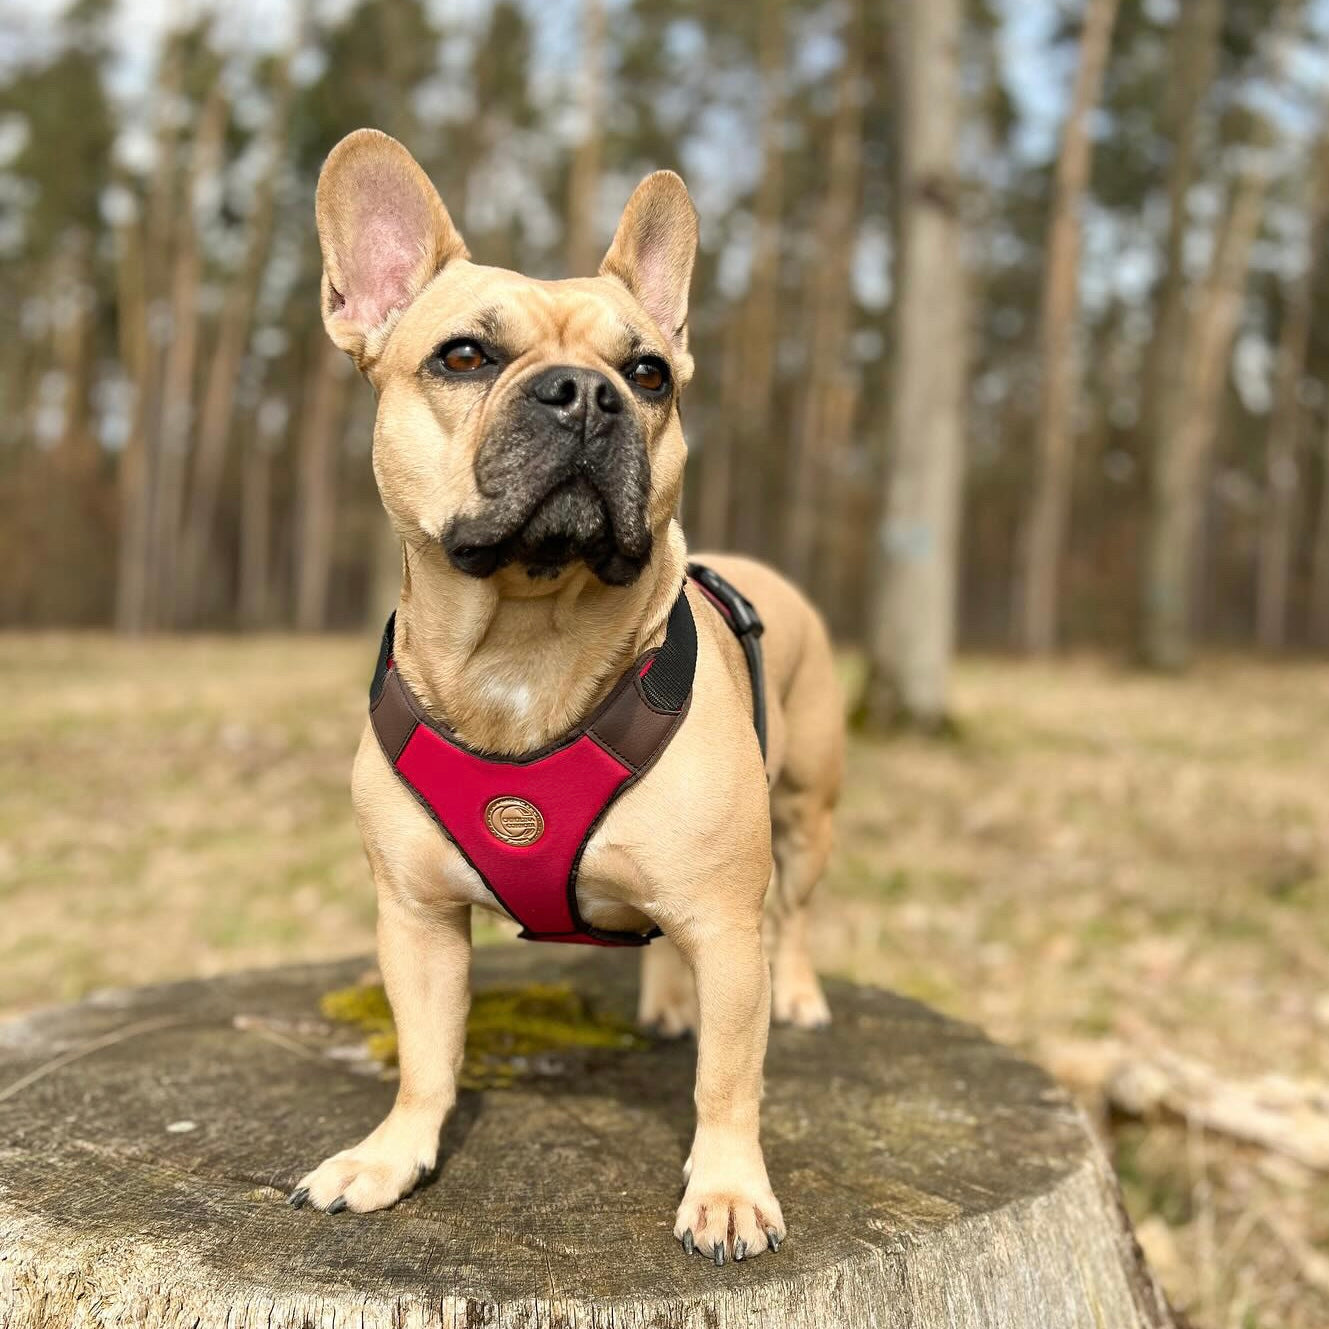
x,y
742,617
522,822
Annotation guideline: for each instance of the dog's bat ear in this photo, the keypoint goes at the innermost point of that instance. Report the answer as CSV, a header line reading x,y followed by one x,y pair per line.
x,y
653,252
384,233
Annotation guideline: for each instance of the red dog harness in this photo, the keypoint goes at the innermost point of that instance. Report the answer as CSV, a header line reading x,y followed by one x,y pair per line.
x,y
523,822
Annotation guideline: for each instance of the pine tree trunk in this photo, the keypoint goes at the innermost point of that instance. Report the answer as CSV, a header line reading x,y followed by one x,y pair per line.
x,y
1319,615
749,407
166,235
713,506
142,246
387,552
74,355
181,358
821,431
839,552
1182,454
1273,573
1281,447
219,393
1045,533
584,183
131,586
1194,58
322,422
60,572
1191,355
911,618
256,533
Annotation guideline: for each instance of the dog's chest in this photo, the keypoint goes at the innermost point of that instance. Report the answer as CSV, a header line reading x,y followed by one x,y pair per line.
x,y
607,885
529,833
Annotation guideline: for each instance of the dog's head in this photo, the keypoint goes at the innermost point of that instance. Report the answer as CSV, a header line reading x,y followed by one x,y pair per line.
x,y
523,422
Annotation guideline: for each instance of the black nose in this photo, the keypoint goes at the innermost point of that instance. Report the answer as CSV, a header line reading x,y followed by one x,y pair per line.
x,y
569,389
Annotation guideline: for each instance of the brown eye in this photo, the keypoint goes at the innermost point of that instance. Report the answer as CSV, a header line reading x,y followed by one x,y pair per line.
x,y
463,357
649,374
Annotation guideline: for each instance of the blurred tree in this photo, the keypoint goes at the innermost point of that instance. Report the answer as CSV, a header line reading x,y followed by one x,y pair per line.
x,y
583,244
1194,344
1285,419
254,592
1319,615
380,58
160,316
1182,450
322,422
144,249
912,608
751,348
1045,528
234,330
180,359
59,519
825,418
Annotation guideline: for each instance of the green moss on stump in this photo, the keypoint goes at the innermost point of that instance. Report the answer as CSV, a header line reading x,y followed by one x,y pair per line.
x,y
507,1032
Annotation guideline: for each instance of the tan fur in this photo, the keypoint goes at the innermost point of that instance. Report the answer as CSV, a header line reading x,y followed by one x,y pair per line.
x,y
512,662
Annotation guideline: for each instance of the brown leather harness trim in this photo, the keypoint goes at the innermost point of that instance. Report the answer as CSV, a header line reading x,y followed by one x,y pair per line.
x,y
625,724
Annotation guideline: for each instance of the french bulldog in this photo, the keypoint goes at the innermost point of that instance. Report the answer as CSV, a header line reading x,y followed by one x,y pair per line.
x,y
529,453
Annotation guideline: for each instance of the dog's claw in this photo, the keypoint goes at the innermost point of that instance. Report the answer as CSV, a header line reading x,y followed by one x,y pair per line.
x,y
422,1174
719,1255
337,1205
689,1245
296,1199
740,1248
773,1238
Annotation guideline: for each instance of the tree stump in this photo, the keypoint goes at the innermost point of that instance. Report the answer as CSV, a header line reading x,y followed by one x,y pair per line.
x,y
148,1139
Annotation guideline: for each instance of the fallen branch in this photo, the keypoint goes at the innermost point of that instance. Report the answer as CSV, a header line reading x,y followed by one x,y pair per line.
x,y
1313,1267
1274,1112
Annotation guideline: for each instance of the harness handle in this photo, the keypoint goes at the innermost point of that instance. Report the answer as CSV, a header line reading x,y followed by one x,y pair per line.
x,y
746,625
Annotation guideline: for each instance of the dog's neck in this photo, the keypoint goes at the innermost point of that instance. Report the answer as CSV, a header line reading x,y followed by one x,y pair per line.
x,y
511,664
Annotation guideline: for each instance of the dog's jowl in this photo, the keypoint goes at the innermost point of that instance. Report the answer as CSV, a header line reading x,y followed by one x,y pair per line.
x,y
562,724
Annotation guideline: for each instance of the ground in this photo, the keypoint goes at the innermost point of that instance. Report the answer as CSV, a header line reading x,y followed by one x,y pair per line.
x,y
1098,861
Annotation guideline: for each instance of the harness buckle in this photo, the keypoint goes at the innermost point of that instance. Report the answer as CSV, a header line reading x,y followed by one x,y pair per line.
x,y
746,622
743,617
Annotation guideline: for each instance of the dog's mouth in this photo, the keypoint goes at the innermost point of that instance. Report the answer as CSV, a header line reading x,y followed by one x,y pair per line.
x,y
557,487
572,522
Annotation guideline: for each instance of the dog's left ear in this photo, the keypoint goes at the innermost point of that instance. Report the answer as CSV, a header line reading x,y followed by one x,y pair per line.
x,y
653,252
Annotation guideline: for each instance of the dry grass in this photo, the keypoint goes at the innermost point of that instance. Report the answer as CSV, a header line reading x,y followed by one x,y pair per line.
x,y
1100,859
1109,860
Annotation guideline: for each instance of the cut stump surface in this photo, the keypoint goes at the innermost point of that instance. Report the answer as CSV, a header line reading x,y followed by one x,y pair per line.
x,y
148,1138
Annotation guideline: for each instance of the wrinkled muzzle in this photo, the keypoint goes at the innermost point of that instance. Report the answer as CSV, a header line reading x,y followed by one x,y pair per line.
x,y
563,476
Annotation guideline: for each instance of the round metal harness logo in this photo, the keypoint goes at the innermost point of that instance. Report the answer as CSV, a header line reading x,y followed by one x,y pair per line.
x,y
514,821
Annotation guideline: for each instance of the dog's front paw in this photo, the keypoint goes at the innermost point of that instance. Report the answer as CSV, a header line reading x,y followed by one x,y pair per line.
x,y
376,1173
733,1224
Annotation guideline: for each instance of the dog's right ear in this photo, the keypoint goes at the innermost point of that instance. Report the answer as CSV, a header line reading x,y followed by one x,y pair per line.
x,y
384,233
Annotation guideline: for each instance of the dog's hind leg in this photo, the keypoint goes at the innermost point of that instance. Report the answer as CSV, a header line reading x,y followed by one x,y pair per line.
x,y
803,800
668,999
801,835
